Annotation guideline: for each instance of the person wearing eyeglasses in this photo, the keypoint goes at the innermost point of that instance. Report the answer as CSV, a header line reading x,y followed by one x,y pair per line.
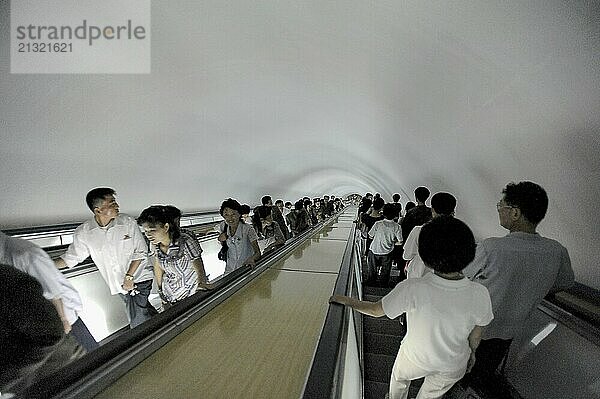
x,y
519,270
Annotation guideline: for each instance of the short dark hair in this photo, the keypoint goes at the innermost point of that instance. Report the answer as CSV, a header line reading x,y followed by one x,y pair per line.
x,y
265,200
231,204
263,211
409,205
529,197
422,193
244,209
175,212
288,203
443,203
279,201
95,197
378,203
396,197
389,211
299,205
446,244
161,215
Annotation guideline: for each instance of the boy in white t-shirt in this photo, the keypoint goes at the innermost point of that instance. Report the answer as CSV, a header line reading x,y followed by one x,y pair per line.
x,y
445,312
385,235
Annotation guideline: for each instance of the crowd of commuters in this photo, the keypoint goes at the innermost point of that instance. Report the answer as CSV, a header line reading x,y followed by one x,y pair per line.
x,y
464,303
42,330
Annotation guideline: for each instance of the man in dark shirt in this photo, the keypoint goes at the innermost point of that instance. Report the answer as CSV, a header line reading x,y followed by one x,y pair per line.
x,y
418,215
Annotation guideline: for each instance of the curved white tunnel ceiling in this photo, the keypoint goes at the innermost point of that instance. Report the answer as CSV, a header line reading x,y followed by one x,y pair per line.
x,y
293,98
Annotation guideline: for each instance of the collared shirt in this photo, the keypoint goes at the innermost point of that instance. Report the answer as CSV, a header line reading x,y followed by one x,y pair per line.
x,y
440,315
518,269
33,260
112,249
416,267
239,246
180,279
385,233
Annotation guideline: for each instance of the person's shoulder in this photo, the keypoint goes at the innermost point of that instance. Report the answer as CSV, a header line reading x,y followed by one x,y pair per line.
x,y
86,226
125,219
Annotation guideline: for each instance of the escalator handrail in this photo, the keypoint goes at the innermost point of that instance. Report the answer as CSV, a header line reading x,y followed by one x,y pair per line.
x,y
322,379
90,374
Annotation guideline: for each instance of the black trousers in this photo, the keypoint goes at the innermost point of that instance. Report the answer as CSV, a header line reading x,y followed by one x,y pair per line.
x,y
80,332
489,356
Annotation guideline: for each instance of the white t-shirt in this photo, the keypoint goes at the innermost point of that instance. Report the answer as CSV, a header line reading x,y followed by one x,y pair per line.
x,y
385,233
416,267
440,315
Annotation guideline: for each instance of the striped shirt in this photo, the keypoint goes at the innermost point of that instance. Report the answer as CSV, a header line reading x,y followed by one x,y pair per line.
x,y
180,279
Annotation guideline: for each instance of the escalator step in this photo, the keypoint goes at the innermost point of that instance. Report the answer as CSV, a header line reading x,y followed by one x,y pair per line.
x,y
382,344
383,325
378,368
375,390
379,291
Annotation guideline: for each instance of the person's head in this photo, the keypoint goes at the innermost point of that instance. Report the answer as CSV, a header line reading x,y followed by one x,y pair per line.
x,y
288,205
409,205
365,205
389,212
158,224
174,213
377,195
522,202
266,200
443,204
396,197
230,210
307,202
326,198
299,205
265,215
378,203
102,202
421,194
446,244
369,196
279,204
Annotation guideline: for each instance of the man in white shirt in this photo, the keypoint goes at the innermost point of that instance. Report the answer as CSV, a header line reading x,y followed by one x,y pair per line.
x,y
441,204
445,312
386,234
116,245
33,260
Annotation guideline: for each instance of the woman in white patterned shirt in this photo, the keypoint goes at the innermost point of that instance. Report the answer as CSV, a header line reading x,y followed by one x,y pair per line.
x,y
178,266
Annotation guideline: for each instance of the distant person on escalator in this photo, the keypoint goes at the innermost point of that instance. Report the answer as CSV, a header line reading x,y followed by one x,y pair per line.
x,y
442,203
270,236
385,236
178,266
418,215
369,219
277,215
241,238
298,219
